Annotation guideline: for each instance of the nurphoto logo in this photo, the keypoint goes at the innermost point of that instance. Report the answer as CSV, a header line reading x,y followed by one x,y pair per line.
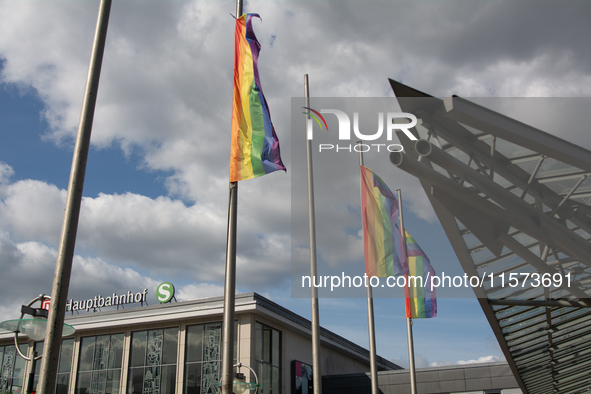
x,y
344,132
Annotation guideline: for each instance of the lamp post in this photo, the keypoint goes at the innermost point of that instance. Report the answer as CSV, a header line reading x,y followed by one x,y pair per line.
x,y
33,328
240,385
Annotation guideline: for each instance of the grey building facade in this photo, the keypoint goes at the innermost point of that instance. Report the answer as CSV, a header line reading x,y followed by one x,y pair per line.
x,y
489,378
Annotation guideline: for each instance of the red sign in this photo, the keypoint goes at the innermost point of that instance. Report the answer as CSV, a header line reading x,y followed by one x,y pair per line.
x,y
45,304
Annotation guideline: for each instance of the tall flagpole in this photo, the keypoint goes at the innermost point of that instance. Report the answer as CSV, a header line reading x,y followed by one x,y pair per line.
x,y
316,372
370,322
411,349
63,267
227,378
230,294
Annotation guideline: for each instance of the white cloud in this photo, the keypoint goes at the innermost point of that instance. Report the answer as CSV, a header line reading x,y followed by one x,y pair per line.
x,y
483,359
161,236
31,265
32,210
6,172
201,290
421,361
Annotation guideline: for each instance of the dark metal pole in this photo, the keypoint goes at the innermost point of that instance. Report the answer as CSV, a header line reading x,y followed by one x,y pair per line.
x,y
316,360
411,347
230,294
63,268
230,281
31,381
373,360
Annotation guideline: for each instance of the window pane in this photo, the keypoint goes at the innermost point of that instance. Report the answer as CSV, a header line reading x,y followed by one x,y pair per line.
x,y
104,377
171,336
138,348
194,343
83,383
154,349
10,368
101,353
149,350
86,354
268,356
202,370
62,384
38,347
266,345
168,380
267,378
210,373
98,381
65,363
213,338
113,382
276,348
276,385
235,341
151,380
136,381
116,351
258,341
17,385
19,364
193,379
259,369
210,376
4,380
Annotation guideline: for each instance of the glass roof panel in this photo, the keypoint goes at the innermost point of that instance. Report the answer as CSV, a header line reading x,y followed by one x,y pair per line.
x,y
471,240
563,186
553,167
511,150
528,331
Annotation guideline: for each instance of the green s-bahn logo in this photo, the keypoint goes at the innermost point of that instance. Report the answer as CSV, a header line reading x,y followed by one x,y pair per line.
x,y
164,292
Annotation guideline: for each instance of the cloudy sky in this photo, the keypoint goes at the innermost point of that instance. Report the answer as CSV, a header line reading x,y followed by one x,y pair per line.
x,y
155,196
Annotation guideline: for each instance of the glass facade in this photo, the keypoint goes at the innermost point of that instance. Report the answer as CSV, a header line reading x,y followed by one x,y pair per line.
x,y
203,358
99,364
95,364
268,358
12,368
153,361
64,365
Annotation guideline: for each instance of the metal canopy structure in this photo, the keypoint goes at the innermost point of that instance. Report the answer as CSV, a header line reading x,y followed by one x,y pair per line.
x,y
514,201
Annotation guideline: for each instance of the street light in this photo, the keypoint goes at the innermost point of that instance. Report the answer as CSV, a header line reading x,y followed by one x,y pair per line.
x,y
33,328
240,384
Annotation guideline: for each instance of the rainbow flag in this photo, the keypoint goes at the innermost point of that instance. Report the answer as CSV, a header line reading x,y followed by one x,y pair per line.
x,y
255,147
420,300
384,248
382,240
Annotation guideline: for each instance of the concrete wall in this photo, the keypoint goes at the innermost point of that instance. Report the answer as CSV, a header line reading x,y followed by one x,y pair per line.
x,y
297,347
471,378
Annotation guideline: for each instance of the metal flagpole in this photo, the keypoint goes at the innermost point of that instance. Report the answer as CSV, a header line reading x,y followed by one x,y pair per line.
x,y
230,294
411,356
63,267
370,321
316,372
227,378
411,349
